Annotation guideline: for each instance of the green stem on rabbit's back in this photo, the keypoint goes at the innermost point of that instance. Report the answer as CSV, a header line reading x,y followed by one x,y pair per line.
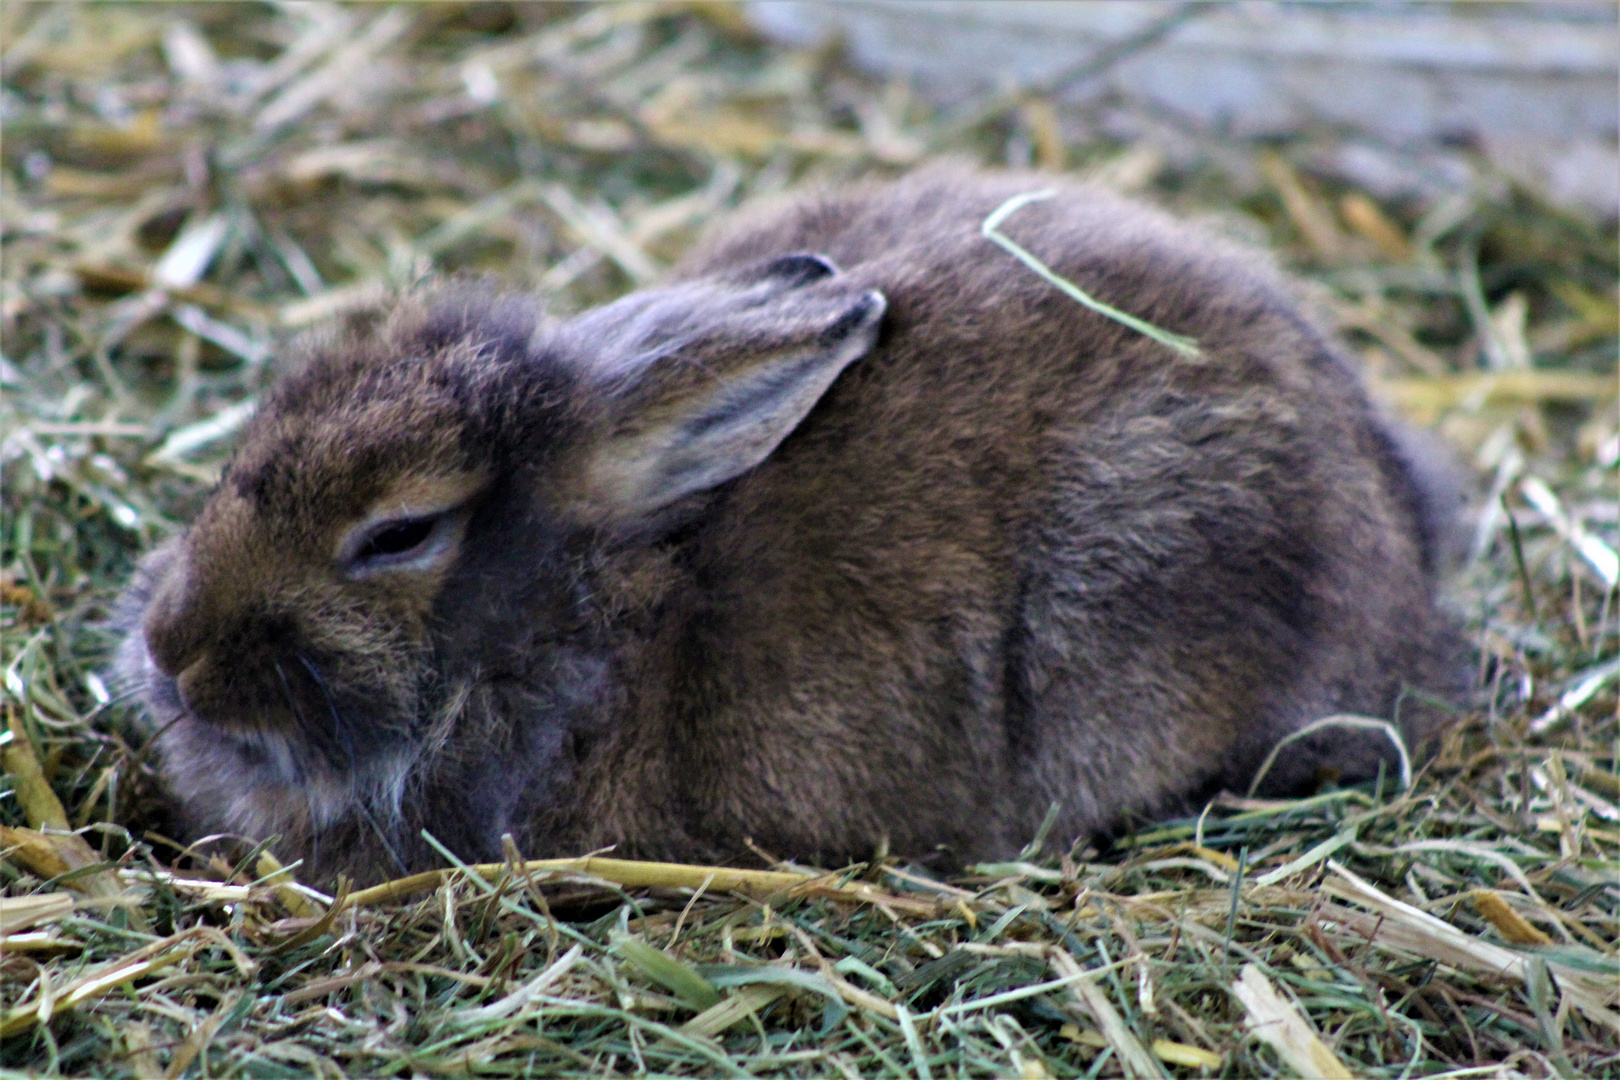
x,y
1186,346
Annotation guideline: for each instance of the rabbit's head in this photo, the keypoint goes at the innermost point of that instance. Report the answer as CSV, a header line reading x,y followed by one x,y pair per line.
x,y
389,571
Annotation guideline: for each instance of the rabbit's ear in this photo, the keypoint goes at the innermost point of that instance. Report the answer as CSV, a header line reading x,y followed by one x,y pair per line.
x,y
712,404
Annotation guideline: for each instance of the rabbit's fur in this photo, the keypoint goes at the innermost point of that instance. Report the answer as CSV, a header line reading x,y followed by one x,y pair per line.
x,y
855,532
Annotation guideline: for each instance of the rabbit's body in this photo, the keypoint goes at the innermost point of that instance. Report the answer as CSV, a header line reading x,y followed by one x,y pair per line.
x,y
1004,553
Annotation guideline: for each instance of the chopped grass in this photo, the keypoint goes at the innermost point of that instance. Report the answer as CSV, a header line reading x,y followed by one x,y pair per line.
x,y
183,188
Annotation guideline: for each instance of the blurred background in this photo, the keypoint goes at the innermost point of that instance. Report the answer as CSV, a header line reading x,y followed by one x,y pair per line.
x,y
1386,95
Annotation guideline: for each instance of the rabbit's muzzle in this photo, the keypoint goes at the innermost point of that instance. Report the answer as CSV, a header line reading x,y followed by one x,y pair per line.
x,y
253,697
329,695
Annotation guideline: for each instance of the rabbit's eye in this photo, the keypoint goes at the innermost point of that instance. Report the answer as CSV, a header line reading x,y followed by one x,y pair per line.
x,y
397,538
403,543
415,526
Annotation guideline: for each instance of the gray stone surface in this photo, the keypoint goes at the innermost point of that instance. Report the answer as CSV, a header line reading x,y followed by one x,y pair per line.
x,y
1536,85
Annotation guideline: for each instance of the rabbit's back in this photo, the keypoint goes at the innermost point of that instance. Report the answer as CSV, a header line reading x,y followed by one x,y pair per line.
x,y
1021,554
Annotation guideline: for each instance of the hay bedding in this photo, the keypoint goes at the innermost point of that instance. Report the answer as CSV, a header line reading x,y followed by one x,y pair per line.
x,y
185,187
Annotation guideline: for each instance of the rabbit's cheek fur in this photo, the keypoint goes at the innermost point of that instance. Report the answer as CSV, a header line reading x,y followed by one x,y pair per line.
x,y
303,691
247,751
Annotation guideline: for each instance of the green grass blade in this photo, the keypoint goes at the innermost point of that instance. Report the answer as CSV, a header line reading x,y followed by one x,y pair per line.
x,y
1186,346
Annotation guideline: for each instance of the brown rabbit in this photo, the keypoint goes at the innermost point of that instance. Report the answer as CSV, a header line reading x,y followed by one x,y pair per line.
x,y
855,531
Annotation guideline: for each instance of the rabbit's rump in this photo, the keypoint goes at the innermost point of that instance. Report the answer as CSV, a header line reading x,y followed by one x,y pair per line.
x,y
858,532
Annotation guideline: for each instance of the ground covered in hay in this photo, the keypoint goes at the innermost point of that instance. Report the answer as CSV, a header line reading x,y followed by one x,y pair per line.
x,y
184,188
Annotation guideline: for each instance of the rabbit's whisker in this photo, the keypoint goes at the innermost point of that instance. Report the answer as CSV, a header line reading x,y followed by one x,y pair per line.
x,y
382,836
341,728
151,742
292,705
312,816
118,693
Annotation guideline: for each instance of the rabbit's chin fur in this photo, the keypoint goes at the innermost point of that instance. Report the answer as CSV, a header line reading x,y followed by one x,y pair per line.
x,y
263,780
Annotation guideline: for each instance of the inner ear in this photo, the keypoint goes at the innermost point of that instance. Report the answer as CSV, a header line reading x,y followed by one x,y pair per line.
x,y
803,268
717,406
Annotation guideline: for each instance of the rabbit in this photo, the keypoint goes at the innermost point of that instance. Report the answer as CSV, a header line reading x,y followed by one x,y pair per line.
x,y
855,535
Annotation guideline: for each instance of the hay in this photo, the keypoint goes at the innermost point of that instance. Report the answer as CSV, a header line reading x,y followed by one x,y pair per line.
x,y
185,187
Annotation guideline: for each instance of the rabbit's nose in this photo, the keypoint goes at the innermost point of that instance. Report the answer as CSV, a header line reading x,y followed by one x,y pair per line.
x,y
172,652
170,628
191,680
